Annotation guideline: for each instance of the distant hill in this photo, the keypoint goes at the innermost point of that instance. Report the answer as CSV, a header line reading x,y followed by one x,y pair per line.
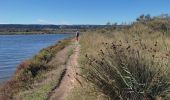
x,y
37,27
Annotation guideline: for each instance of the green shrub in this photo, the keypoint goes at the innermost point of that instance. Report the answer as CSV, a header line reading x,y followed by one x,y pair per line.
x,y
44,55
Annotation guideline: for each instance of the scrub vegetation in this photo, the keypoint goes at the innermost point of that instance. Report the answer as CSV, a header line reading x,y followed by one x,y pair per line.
x,y
130,63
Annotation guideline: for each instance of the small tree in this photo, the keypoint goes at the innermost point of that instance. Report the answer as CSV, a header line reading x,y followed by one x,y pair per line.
x,y
141,18
148,17
115,24
108,23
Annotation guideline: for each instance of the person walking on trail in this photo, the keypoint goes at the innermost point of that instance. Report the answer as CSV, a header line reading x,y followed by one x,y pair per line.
x,y
77,35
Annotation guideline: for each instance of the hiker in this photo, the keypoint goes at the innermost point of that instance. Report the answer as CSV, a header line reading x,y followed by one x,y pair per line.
x,y
77,35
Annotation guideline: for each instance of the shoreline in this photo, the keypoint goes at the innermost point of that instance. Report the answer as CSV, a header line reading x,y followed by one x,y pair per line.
x,y
33,33
3,80
25,81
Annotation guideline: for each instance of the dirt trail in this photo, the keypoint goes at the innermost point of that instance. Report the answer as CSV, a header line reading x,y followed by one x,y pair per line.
x,y
70,78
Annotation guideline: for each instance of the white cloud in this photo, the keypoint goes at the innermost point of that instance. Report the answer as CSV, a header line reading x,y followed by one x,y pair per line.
x,y
43,21
64,23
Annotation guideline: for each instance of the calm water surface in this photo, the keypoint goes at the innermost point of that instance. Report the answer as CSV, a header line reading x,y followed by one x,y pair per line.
x,y
16,48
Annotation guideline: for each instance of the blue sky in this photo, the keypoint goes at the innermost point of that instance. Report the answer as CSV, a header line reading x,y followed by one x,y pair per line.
x,y
78,11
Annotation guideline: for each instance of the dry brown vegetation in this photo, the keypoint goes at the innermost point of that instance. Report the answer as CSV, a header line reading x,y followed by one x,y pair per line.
x,y
130,63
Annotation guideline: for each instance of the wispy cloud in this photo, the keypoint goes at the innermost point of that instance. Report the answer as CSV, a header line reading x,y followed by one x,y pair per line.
x,y
43,21
64,23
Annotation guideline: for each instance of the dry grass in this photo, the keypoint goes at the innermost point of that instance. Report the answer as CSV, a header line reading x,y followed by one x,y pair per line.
x,y
86,92
128,64
43,86
123,71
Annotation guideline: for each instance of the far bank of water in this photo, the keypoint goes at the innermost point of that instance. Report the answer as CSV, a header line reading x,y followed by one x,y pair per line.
x,y
16,48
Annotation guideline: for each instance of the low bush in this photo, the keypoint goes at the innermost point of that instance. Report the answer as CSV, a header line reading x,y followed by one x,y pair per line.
x,y
123,70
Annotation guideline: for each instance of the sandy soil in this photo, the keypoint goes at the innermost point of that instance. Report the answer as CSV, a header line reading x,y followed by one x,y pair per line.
x,y
70,78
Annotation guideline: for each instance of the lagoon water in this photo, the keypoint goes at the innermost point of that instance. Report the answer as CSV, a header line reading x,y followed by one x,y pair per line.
x,y
16,48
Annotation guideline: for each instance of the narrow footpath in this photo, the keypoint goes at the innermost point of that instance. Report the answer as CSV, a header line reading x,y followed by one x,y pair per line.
x,y
71,77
